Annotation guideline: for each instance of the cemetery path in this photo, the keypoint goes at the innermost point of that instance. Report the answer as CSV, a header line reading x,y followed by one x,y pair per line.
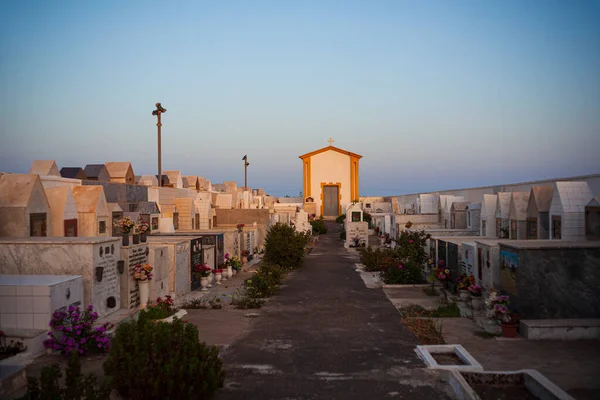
x,y
326,336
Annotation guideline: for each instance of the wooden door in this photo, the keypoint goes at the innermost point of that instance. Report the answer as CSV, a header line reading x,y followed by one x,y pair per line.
x,y
556,227
331,201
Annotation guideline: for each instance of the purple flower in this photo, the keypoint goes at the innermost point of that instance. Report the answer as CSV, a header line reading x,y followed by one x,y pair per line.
x,y
400,266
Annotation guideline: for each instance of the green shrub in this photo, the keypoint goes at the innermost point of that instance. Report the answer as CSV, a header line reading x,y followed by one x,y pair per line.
x,y
76,386
343,234
377,259
264,282
403,274
285,247
410,246
318,225
158,360
340,218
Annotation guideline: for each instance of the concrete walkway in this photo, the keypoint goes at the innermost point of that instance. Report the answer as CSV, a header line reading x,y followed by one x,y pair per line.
x,y
326,336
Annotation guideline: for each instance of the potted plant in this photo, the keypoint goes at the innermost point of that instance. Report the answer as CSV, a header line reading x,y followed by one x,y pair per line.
x,y
240,227
126,225
143,228
464,282
245,254
236,264
142,273
498,310
202,272
476,292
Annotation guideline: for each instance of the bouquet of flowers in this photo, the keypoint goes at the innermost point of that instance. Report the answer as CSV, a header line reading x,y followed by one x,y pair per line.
x,y
201,270
236,263
498,307
442,273
240,227
143,227
464,282
142,272
476,290
245,253
126,224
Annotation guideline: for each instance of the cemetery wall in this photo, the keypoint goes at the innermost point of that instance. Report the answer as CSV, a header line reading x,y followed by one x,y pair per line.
x,y
68,256
233,217
552,283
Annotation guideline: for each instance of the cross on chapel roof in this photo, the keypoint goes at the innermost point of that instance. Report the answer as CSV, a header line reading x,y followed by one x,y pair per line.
x,y
331,141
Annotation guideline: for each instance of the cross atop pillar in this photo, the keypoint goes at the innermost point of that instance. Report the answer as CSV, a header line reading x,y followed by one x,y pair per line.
x,y
331,141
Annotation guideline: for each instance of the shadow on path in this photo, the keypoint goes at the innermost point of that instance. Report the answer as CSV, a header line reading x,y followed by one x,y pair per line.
x,y
326,336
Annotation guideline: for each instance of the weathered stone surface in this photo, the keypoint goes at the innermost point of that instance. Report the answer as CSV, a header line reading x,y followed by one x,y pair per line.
x,y
558,283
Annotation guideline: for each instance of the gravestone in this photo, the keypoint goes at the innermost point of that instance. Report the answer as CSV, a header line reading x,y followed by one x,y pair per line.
x,y
131,256
196,257
94,258
356,228
302,225
158,257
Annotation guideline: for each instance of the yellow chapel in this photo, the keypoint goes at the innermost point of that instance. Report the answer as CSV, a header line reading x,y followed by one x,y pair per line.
x,y
330,180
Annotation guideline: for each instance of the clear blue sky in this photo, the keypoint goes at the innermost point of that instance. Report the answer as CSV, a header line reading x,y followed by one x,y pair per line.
x,y
433,94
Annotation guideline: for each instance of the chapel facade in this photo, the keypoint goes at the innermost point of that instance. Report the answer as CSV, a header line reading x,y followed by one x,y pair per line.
x,y
330,178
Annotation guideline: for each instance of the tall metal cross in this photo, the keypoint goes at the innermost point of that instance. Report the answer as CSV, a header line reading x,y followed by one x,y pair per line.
x,y
331,141
159,110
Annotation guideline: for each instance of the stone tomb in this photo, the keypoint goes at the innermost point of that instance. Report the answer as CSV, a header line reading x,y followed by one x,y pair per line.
x,y
355,227
487,271
24,208
158,257
178,248
567,210
94,258
449,249
517,215
502,218
130,256
538,212
28,301
551,279
488,215
63,212
302,225
92,211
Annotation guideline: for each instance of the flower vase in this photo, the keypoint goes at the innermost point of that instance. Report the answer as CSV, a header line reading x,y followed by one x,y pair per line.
x,y
234,272
143,237
509,330
204,283
144,292
218,277
126,239
464,295
229,272
136,239
476,302
244,260
211,279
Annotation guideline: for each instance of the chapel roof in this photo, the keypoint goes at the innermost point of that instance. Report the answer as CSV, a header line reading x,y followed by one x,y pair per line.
x,y
542,196
87,197
72,173
94,170
460,205
16,189
44,167
333,148
118,169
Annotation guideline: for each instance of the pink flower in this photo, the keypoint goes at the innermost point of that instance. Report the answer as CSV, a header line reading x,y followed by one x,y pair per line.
x,y
411,241
400,266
